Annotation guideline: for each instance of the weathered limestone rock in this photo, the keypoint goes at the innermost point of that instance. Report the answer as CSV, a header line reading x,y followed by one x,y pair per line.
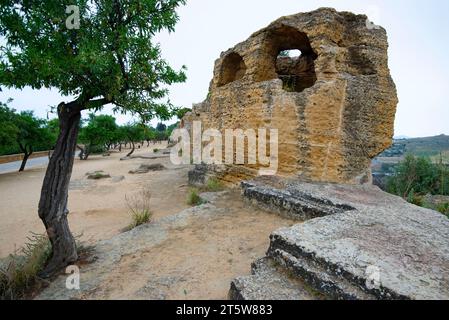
x,y
98,175
382,248
145,168
334,106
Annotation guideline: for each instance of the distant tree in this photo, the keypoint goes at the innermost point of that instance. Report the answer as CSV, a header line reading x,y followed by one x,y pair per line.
x,y
161,127
53,128
182,112
149,135
100,131
133,132
9,130
170,129
109,58
416,176
32,135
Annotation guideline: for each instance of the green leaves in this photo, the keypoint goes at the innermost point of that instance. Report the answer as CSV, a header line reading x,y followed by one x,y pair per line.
x,y
23,132
100,130
112,56
418,175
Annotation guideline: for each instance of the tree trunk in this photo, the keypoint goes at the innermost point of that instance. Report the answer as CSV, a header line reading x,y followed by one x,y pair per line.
x,y
132,150
54,195
24,161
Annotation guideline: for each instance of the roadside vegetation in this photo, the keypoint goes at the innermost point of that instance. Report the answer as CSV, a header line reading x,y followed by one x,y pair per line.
x,y
24,133
421,182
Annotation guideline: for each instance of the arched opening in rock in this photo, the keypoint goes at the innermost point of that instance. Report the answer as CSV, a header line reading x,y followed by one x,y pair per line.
x,y
295,53
233,68
292,58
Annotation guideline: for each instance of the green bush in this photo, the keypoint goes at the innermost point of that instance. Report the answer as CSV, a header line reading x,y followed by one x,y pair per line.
x,y
97,149
193,198
214,185
444,209
419,176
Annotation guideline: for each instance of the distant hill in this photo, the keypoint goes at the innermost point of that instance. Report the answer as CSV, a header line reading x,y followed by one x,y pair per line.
x,y
424,147
430,146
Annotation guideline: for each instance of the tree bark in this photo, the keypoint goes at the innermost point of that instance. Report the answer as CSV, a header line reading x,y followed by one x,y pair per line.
x,y
132,150
24,161
26,155
54,195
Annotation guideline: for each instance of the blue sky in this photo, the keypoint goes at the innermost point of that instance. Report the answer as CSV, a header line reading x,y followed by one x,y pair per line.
x,y
418,35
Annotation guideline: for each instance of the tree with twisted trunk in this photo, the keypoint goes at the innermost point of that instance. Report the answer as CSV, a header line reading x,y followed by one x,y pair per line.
x,y
101,52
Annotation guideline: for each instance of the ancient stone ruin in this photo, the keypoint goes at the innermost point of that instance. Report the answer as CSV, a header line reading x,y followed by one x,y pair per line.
x,y
333,103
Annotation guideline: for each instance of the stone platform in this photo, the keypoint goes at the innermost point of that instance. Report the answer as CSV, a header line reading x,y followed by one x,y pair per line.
x,y
357,243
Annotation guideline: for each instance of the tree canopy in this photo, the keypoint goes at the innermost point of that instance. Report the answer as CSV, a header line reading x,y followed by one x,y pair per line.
x,y
23,132
100,130
110,58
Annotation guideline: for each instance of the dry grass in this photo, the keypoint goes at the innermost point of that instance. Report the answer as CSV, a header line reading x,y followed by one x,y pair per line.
x,y
139,208
214,185
193,198
19,272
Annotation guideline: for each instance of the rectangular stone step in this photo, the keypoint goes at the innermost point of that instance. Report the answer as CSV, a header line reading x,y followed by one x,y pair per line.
x,y
294,204
323,275
333,287
270,281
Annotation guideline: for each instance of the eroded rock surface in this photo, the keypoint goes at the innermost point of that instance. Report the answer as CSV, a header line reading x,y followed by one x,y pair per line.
x,y
98,175
145,168
334,105
384,248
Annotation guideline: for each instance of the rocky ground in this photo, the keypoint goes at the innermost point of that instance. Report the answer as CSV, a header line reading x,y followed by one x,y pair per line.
x,y
190,255
360,243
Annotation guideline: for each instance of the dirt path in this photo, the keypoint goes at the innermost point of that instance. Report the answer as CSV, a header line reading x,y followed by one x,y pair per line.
x,y
190,255
98,209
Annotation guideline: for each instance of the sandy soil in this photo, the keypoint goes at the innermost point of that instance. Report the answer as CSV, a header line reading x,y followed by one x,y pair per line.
x,y
195,261
98,208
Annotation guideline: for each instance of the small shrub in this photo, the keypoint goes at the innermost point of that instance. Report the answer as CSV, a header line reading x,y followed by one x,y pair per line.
x,y
20,274
97,149
193,198
444,209
139,208
415,199
156,150
214,185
